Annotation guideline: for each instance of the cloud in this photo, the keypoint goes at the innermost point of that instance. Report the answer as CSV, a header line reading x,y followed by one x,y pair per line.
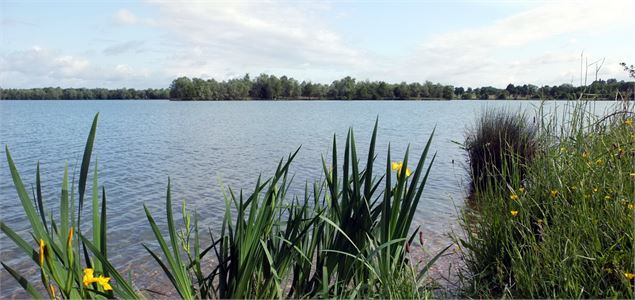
x,y
212,37
124,47
39,66
125,17
499,52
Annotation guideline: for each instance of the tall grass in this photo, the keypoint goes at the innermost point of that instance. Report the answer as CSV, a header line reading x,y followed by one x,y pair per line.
x,y
347,236
499,142
566,230
69,267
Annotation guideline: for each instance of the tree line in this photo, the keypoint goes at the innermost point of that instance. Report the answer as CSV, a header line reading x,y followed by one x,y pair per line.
x,y
271,87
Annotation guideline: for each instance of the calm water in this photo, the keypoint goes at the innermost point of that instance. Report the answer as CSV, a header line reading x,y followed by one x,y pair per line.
x,y
200,145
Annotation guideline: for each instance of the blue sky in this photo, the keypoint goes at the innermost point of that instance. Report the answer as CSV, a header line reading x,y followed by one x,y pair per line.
x,y
143,44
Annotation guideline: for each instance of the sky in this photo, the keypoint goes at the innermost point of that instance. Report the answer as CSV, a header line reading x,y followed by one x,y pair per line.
x,y
146,44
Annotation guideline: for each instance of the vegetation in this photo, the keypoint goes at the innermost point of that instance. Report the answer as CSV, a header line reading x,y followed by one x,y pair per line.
x,y
270,87
349,236
501,142
564,228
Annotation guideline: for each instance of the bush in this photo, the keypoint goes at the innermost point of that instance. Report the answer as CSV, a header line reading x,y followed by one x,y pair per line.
x,y
500,143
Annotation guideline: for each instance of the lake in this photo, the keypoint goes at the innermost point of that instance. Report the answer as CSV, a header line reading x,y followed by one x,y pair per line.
x,y
204,145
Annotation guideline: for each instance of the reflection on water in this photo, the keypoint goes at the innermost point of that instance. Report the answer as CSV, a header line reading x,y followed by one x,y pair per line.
x,y
203,144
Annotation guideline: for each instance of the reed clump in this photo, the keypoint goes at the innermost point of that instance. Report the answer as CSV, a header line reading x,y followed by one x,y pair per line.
x,y
499,146
348,236
566,230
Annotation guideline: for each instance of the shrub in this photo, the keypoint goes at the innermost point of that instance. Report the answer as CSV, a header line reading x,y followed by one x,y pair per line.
x,y
499,146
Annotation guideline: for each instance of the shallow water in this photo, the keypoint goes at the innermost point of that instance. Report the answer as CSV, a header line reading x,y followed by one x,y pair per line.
x,y
201,145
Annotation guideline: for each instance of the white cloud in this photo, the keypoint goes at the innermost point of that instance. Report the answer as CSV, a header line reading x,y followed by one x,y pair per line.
x,y
240,36
39,66
125,17
497,53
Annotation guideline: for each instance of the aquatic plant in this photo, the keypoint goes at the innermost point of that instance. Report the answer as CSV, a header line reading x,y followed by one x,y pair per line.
x,y
566,230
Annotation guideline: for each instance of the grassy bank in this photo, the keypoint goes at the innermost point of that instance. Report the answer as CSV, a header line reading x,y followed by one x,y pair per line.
x,y
561,224
348,236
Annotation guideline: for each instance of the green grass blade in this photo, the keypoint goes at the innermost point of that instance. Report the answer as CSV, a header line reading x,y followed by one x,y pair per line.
x,y
83,173
23,282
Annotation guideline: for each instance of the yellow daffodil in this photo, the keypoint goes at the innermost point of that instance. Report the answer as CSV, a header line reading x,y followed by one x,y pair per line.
x,y
514,213
513,197
554,193
629,275
42,248
101,280
628,122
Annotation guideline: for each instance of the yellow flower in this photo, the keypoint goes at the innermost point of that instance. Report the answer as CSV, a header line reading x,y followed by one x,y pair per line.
x,y
42,248
521,190
52,290
631,206
397,166
607,197
599,162
513,197
629,275
554,193
101,280
514,213
632,174
585,154
628,122
70,238
595,190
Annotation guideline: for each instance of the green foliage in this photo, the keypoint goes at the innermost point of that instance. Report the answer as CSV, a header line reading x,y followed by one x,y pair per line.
x,y
58,255
566,230
500,146
347,237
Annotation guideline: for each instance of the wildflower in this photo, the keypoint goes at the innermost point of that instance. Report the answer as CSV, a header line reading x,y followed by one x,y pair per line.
x,y
595,190
42,248
514,213
397,166
629,275
585,154
599,162
69,241
521,190
607,197
101,280
513,197
632,174
554,193
52,290
631,206
628,122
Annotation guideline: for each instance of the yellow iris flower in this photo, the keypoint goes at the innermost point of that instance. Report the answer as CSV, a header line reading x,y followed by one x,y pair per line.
x,y
101,280
513,197
629,275
397,166
42,247
514,213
